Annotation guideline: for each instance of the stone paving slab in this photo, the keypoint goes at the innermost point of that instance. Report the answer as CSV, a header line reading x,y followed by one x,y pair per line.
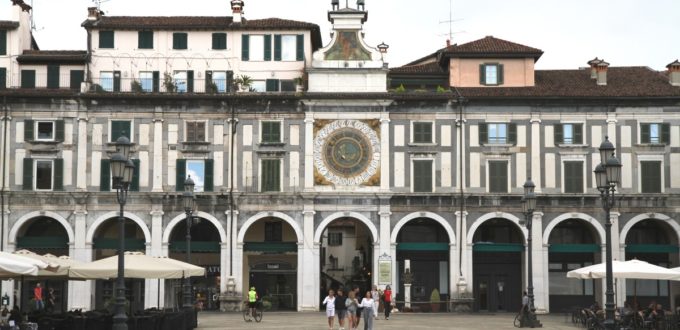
x,y
317,321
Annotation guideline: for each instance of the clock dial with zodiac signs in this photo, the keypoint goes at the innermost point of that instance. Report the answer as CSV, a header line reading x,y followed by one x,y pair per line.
x,y
347,152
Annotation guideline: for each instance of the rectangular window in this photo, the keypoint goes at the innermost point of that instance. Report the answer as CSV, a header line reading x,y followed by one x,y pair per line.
x,y
44,131
77,77
272,85
110,81
258,48
219,78
334,239
500,133
179,40
271,175
285,47
52,76
422,132
491,74
273,231
106,39
196,170
650,178
258,86
181,81
573,177
271,132
146,80
3,78
287,85
656,133
145,39
43,175
3,42
568,133
27,78
195,131
498,177
219,41
120,128
422,176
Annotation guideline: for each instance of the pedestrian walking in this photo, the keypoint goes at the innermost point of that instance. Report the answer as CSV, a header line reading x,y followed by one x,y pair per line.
x,y
51,300
352,306
387,299
367,303
357,315
38,297
375,295
341,308
329,301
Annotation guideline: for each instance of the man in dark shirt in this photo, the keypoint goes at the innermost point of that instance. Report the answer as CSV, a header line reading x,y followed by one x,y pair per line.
x,y
341,308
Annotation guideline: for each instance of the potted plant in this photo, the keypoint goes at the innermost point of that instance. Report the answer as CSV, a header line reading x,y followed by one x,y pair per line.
x,y
211,88
243,82
435,300
299,84
136,87
168,83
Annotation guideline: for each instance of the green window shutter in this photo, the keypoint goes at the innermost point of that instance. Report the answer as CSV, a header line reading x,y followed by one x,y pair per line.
x,y
267,47
573,177
116,81
58,174
179,40
422,132
578,133
644,133
118,128
27,78
28,174
105,175
271,175
230,81
271,132
3,42
559,138
77,77
134,185
181,174
53,76
208,82
145,39
277,47
272,85
483,133
106,39
59,130
300,47
499,72
3,78
29,134
482,74
498,177
156,77
666,133
512,133
245,47
208,180
422,176
190,81
219,41
651,176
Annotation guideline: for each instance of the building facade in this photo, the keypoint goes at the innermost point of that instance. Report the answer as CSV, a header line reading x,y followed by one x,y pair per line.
x,y
318,166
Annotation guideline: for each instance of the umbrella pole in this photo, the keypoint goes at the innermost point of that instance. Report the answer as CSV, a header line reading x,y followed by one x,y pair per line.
x,y
158,295
21,293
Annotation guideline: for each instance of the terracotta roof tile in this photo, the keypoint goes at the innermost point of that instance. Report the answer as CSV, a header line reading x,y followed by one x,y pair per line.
x,y
427,68
192,22
53,56
491,47
8,25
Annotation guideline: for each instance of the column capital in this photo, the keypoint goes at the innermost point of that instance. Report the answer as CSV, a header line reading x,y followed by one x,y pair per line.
x,y
535,120
612,121
230,120
465,213
224,245
308,212
309,120
85,119
384,213
228,212
537,214
158,120
157,213
80,211
385,120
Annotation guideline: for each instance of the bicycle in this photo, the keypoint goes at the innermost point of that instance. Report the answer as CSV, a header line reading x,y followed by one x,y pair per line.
x,y
258,312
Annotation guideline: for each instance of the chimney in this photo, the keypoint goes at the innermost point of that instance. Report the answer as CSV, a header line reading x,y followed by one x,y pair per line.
x,y
93,13
237,10
593,67
601,69
674,73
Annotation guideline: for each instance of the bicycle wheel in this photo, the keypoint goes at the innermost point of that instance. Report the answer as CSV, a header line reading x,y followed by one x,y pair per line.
x,y
246,314
258,314
518,321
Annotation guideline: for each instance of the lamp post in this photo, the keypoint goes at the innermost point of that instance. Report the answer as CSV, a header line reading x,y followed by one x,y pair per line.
x,y
528,207
122,169
188,199
608,175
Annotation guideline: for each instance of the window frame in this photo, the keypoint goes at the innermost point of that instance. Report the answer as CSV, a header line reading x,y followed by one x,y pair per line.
x,y
583,175
335,238
149,81
497,140
656,159
36,132
197,187
131,134
186,130
663,138
483,74
262,139
177,40
217,40
432,173
508,170
262,181
257,53
141,36
432,132
275,233
563,141
35,173
113,39
292,53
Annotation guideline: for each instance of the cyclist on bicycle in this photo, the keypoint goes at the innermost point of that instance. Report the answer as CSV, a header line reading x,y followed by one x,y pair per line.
x,y
252,300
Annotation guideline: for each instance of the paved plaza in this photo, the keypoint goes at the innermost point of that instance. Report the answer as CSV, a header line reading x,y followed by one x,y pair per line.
x,y
311,320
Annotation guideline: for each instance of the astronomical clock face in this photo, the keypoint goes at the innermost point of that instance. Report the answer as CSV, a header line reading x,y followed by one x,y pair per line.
x,y
347,152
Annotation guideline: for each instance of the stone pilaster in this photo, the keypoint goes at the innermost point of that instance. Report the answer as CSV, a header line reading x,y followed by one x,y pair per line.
x,y
81,162
539,267
536,152
308,264
157,142
309,152
384,152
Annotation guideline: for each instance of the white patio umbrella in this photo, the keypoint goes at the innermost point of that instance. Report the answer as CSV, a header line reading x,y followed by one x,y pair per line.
x,y
631,269
137,265
57,266
13,265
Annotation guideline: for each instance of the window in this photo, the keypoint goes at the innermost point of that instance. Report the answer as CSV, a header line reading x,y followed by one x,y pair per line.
x,y
334,239
287,85
105,175
195,131
179,40
573,177
288,47
106,39
145,39
200,170
491,74
120,128
276,85
146,80
271,132
498,133
569,134
655,133
53,76
560,284
219,41
270,175
498,176
184,81
256,47
3,78
422,132
3,42
219,80
422,175
77,77
650,176
273,231
27,78
43,174
110,81
43,130
258,86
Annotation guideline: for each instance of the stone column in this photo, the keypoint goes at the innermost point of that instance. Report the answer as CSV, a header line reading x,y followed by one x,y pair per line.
x,y
232,265
619,284
536,155
81,163
611,129
384,243
384,152
157,155
309,152
153,289
462,276
540,277
7,286
308,263
79,292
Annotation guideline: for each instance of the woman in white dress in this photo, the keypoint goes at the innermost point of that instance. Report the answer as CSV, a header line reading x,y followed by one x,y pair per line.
x,y
329,301
367,304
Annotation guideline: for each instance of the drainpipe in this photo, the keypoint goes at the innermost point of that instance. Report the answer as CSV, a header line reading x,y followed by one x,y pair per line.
x,y
462,284
5,122
231,190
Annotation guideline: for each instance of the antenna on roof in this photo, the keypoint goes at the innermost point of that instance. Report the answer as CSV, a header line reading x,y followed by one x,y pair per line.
x,y
450,21
99,3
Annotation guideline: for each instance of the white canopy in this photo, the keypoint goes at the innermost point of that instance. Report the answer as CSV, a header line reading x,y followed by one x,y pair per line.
x,y
632,269
58,266
12,265
137,265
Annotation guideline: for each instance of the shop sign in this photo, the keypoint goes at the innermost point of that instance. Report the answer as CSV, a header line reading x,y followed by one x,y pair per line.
x,y
384,269
212,270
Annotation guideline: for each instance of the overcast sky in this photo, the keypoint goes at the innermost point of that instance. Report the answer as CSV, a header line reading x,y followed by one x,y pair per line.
x,y
623,32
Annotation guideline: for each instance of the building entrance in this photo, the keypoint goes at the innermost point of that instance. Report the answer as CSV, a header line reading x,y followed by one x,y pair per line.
x,y
277,281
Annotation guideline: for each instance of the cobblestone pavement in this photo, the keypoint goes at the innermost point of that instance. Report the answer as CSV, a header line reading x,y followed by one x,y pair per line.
x,y
317,321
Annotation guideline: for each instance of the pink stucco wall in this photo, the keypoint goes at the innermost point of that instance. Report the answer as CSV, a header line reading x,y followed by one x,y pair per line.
x,y
517,72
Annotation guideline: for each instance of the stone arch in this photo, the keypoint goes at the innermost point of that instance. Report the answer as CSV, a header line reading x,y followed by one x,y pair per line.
x,y
436,217
655,216
114,214
365,220
28,216
581,216
494,215
181,217
262,215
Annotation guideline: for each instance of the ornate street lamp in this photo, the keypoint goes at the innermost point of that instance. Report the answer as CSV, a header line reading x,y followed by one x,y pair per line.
x,y
122,169
607,177
528,207
189,202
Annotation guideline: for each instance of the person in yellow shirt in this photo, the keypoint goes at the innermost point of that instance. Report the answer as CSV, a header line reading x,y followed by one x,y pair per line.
x,y
252,300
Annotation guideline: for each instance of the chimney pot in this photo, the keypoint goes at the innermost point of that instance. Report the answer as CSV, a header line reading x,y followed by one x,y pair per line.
x,y
237,10
93,14
674,73
593,65
601,68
